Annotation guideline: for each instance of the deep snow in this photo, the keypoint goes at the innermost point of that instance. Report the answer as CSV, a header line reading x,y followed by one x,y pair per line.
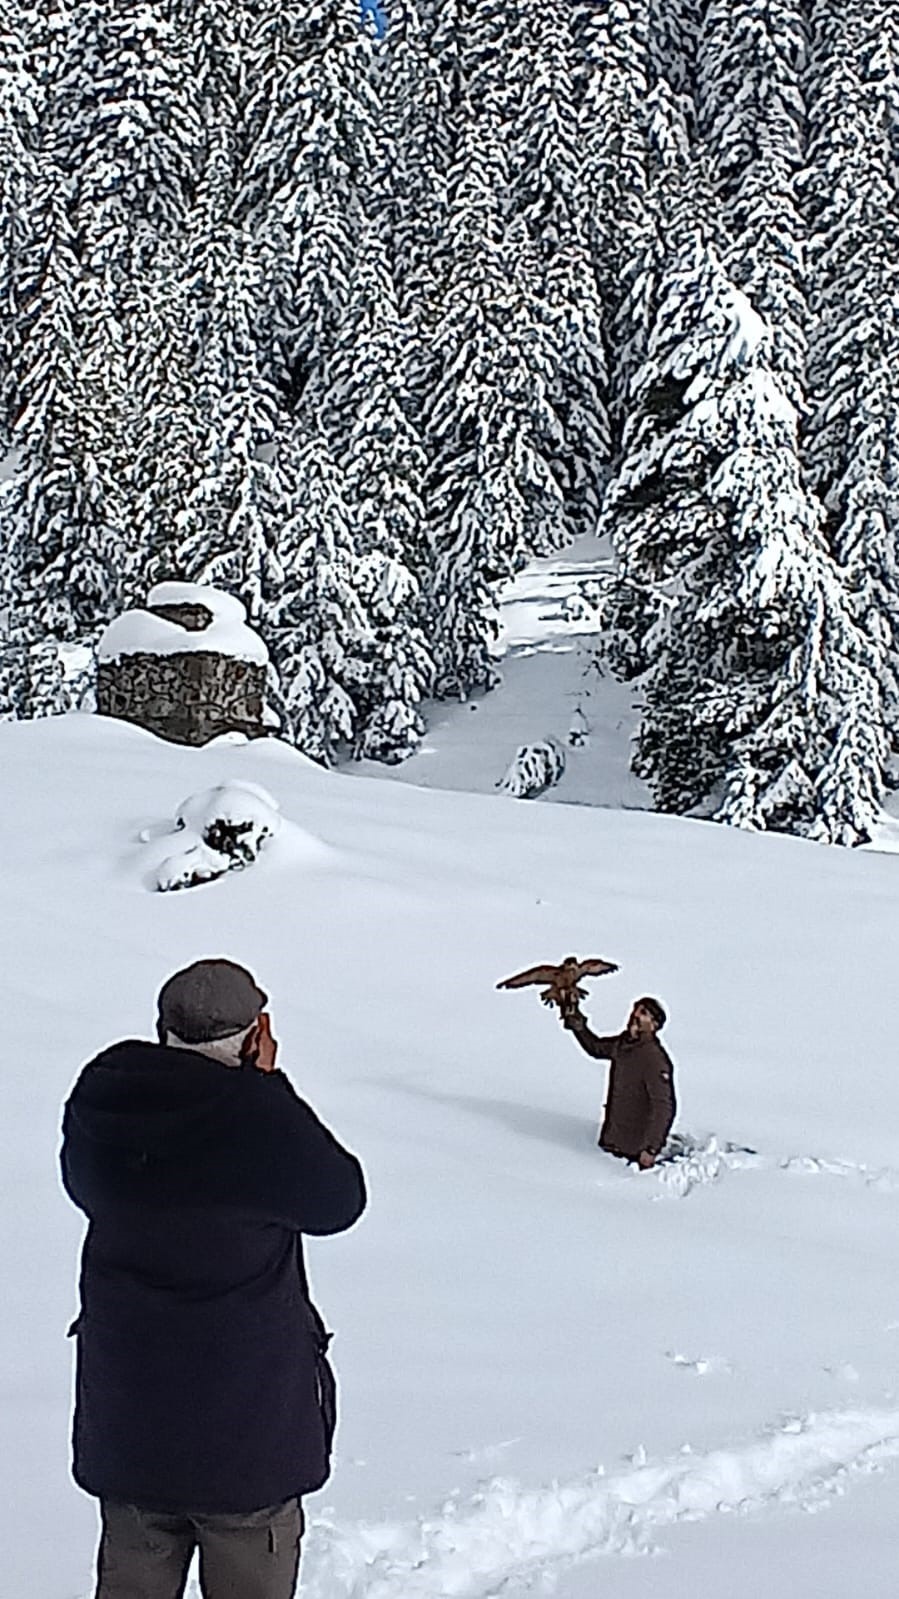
x,y
516,1310
551,689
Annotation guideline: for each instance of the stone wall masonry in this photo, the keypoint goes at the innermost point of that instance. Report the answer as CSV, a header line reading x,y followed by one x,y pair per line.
x,y
188,698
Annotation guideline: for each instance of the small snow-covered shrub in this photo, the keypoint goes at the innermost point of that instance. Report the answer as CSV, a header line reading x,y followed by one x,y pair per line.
x,y
224,829
236,819
189,868
536,767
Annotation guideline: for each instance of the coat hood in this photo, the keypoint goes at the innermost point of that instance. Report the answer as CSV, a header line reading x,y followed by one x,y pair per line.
x,y
143,1098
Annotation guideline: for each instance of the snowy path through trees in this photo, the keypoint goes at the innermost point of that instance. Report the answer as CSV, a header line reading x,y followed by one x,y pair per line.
x,y
549,690
507,1535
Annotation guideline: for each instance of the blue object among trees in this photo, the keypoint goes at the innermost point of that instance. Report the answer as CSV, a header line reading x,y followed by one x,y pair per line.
x,y
376,12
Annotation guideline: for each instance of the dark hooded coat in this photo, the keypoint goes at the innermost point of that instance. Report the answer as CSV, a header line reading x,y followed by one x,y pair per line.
x,y
640,1104
199,1382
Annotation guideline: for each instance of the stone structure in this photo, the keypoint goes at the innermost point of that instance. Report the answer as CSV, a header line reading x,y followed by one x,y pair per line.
x,y
188,695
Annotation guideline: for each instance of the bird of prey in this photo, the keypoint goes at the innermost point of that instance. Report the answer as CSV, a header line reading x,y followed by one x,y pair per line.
x,y
562,981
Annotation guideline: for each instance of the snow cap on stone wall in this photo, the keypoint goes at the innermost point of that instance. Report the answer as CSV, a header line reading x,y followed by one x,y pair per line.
x,y
143,632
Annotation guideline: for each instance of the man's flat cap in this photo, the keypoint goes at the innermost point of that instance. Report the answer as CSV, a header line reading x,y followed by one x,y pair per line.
x,y
210,999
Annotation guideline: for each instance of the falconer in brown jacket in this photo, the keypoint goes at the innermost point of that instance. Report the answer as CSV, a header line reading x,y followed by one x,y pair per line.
x,y
641,1105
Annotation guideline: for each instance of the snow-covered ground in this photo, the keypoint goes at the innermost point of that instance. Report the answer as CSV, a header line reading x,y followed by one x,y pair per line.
x,y
550,689
551,1366
549,685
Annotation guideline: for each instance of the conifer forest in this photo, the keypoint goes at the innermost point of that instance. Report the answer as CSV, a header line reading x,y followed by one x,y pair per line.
x,y
354,313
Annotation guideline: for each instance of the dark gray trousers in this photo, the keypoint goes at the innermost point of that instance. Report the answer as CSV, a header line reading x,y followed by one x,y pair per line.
x,y
146,1554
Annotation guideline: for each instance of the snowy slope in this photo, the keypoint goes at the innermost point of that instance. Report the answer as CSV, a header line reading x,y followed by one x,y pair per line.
x,y
546,653
549,681
548,1362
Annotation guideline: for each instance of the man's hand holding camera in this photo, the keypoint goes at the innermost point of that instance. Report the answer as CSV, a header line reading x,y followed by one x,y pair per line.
x,y
260,1046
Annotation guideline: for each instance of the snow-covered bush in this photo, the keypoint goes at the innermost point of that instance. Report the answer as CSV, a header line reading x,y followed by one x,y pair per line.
x,y
536,767
223,829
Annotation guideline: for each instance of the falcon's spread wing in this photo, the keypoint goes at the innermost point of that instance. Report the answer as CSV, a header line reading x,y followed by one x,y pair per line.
x,y
596,967
534,974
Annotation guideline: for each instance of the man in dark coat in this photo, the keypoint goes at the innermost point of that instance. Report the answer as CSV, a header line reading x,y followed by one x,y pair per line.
x,y
204,1399
641,1106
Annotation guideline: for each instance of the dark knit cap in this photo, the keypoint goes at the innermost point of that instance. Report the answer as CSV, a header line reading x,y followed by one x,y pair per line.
x,y
210,999
656,1011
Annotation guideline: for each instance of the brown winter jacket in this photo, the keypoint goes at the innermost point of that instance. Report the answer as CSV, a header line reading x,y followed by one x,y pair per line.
x,y
641,1105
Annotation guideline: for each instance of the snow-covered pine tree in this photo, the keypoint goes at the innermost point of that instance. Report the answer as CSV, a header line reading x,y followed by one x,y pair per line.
x,y
613,80
128,129
116,151
672,38
412,154
63,511
223,41
21,96
21,103
760,691
752,115
849,189
223,44
578,395
546,159
489,36
680,206
227,532
313,117
414,151
380,450
443,26
181,71
494,497
319,633
853,431
548,194
171,433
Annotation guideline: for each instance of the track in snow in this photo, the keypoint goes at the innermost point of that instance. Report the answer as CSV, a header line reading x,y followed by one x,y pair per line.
x,y
694,1162
507,1536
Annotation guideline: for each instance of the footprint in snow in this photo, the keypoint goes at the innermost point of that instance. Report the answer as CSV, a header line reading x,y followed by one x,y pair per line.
x,y
882,1179
688,1162
703,1366
486,1452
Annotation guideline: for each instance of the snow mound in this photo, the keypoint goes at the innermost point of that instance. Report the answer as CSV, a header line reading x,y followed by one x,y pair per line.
x,y
224,828
241,806
142,632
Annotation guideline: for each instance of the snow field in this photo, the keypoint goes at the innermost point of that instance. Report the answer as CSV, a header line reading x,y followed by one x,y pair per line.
x,y
513,1301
